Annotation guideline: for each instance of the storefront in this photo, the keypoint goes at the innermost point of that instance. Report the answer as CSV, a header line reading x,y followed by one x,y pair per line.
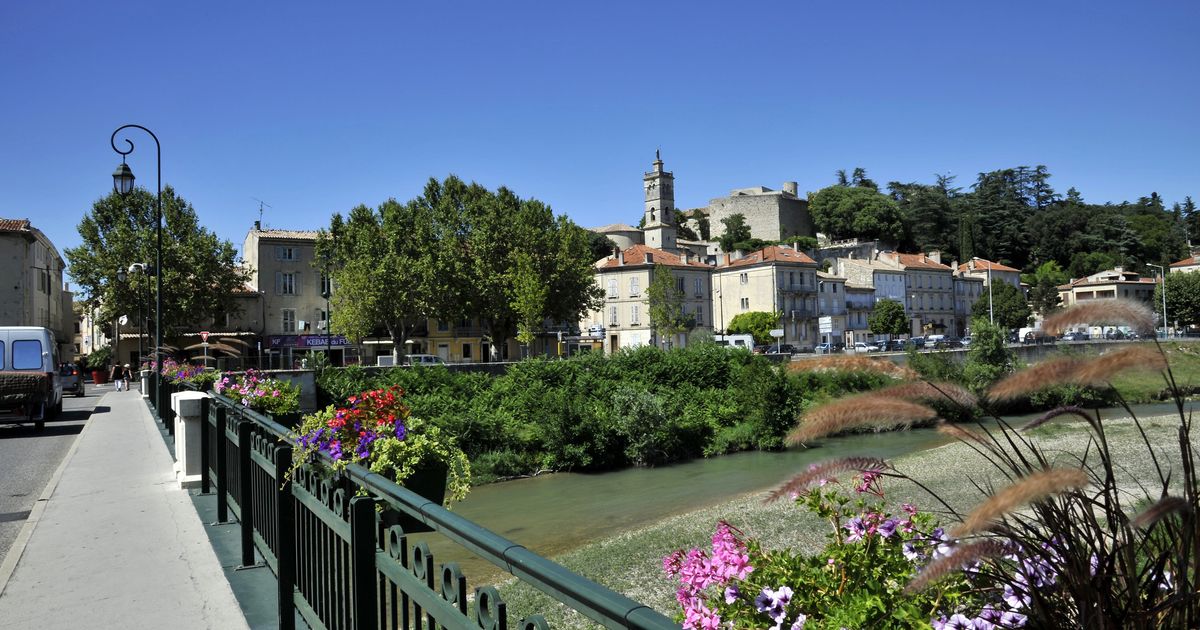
x,y
287,351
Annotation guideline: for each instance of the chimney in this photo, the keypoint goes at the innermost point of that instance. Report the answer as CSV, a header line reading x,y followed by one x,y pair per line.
x,y
615,252
620,257
258,226
791,187
936,256
971,264
727,259
685,256
954,266
649,258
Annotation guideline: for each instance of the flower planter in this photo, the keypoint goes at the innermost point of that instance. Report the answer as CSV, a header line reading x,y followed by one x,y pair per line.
x,y
429,481
99,377
289,420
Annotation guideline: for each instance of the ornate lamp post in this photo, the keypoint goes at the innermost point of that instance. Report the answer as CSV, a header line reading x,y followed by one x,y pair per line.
x,y
123,184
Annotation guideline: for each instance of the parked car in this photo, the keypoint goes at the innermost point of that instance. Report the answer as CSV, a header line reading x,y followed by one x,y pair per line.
x,y
823,348
72,379
1114,334
1075,336
947,344
896,345
966,342
423,359
784,348
919,342
1037,337
865,347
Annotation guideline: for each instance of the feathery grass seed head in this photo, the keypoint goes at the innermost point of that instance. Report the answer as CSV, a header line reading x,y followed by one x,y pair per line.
x,y
1031,488
1102,312
959,557
825,470
868,410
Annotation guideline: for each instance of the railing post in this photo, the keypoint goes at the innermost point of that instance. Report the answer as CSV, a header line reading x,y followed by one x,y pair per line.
x,y
246,488
205,446
285,532
362,558
221,444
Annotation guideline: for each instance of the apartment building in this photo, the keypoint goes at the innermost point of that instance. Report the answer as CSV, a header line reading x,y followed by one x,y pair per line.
x,y
1187,265
773,279
292,317
989,271
32,292
831,308
1108,284
860,301
625,277
967,290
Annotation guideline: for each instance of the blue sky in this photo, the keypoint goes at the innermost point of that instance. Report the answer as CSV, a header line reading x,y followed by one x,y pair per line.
x,y
317,107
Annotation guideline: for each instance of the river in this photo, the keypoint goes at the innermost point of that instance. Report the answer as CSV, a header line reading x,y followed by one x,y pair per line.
x,y
554,513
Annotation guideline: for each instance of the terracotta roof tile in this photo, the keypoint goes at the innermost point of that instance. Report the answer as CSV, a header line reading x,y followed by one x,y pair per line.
x,y
14,225
1186,262
983,265
917,261
772,253
636,255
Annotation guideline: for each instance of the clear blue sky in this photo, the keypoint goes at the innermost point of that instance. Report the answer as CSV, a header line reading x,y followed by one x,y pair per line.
x,y
317,107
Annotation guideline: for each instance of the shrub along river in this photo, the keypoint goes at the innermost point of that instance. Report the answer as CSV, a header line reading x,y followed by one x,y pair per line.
x,y
554,513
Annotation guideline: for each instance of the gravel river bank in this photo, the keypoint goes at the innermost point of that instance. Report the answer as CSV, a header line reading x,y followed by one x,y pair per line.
x,y
630,562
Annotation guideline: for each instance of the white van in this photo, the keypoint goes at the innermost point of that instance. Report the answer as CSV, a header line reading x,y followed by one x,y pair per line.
x,y
26,351
423,359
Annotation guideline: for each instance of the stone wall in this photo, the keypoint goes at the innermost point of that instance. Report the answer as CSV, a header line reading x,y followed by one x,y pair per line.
x,y
771,215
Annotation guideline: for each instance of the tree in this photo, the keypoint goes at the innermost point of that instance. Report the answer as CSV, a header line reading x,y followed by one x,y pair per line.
x,y
1044,283
928,215
755,323
1007,304
1085,263
599,245
200,273
681,226
888,318
665,298
529,298
988,358
845,212
736,231
1183,299
702,224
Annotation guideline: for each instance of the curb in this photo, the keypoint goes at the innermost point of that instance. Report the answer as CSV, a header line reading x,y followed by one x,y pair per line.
x,y
35,513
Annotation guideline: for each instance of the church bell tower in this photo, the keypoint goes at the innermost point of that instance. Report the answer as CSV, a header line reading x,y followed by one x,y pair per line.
x,y
660,206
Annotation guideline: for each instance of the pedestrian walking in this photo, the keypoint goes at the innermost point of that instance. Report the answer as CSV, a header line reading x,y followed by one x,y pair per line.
x,y
120,373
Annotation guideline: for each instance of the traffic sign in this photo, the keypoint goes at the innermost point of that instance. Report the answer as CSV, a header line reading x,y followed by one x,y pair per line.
x,y
204,336
776,332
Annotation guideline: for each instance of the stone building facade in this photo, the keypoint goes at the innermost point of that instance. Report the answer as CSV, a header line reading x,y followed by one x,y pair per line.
x,y
771,214
775,279
32,292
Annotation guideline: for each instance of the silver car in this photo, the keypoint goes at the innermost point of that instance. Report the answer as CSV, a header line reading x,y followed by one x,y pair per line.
x,y
72,378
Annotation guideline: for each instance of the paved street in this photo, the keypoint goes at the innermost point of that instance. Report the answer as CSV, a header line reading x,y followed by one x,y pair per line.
x,y
28,459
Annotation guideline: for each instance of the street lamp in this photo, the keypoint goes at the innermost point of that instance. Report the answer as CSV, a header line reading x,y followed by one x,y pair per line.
x,y
142,269
1162,272
123,185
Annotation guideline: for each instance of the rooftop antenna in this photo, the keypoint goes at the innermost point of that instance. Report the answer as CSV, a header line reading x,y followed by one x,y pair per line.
x,y
261,204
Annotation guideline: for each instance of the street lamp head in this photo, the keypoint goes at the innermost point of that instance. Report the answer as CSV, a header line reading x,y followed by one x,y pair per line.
x,y
121,275
123,179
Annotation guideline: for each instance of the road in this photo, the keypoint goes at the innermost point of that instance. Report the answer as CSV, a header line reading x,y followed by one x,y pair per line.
x,y
29,458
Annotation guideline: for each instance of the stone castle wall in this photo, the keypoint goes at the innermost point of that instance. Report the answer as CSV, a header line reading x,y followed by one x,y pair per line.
x,y
771,216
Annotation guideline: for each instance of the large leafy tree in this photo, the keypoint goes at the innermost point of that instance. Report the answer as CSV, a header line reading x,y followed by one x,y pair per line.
x,y
1007,304
1044,283
665,299
854,211
736,231
888,318
200,274
755,323
928,214
1183,299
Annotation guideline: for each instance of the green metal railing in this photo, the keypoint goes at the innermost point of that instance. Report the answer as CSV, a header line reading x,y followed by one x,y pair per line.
x,y
342,562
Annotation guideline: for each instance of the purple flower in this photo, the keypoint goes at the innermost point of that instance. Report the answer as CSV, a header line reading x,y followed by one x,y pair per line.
x,y
887,528
959,622
856,528
801,618
910,552
335,449
401,431
1013,619
731,594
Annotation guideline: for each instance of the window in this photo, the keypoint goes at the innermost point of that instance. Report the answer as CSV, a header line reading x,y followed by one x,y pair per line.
x,y
283,252
612,287
634,316
443,326
679,284
287,284
745,304
634,288
699,287
835,287
791,278
743,278
326,285
466,354
27,354
289,320
699,315
612,316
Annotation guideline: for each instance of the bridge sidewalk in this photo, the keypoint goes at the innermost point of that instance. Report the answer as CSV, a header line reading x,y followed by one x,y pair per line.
x,y
114,542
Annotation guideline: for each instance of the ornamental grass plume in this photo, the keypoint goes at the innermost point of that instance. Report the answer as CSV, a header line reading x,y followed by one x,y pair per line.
x,y
853,363
1159,510
825,470
1084,372
1102,312
1031,488
953,562
959,433
930,392
868,410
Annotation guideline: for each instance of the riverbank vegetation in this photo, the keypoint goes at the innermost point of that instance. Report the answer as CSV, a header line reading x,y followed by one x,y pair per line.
x,y
639,407
1072,520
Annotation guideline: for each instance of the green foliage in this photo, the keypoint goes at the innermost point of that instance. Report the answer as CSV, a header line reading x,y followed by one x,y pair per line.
x,y
203,379
755,323
988,359
529,298
846,212
888,318
934,366
1086,263
1006,302
665,300
736,231
100,358
1183,298
200,272
641,406
1044,283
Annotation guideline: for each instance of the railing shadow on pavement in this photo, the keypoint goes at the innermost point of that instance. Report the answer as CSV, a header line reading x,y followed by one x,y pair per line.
x,y
340,559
